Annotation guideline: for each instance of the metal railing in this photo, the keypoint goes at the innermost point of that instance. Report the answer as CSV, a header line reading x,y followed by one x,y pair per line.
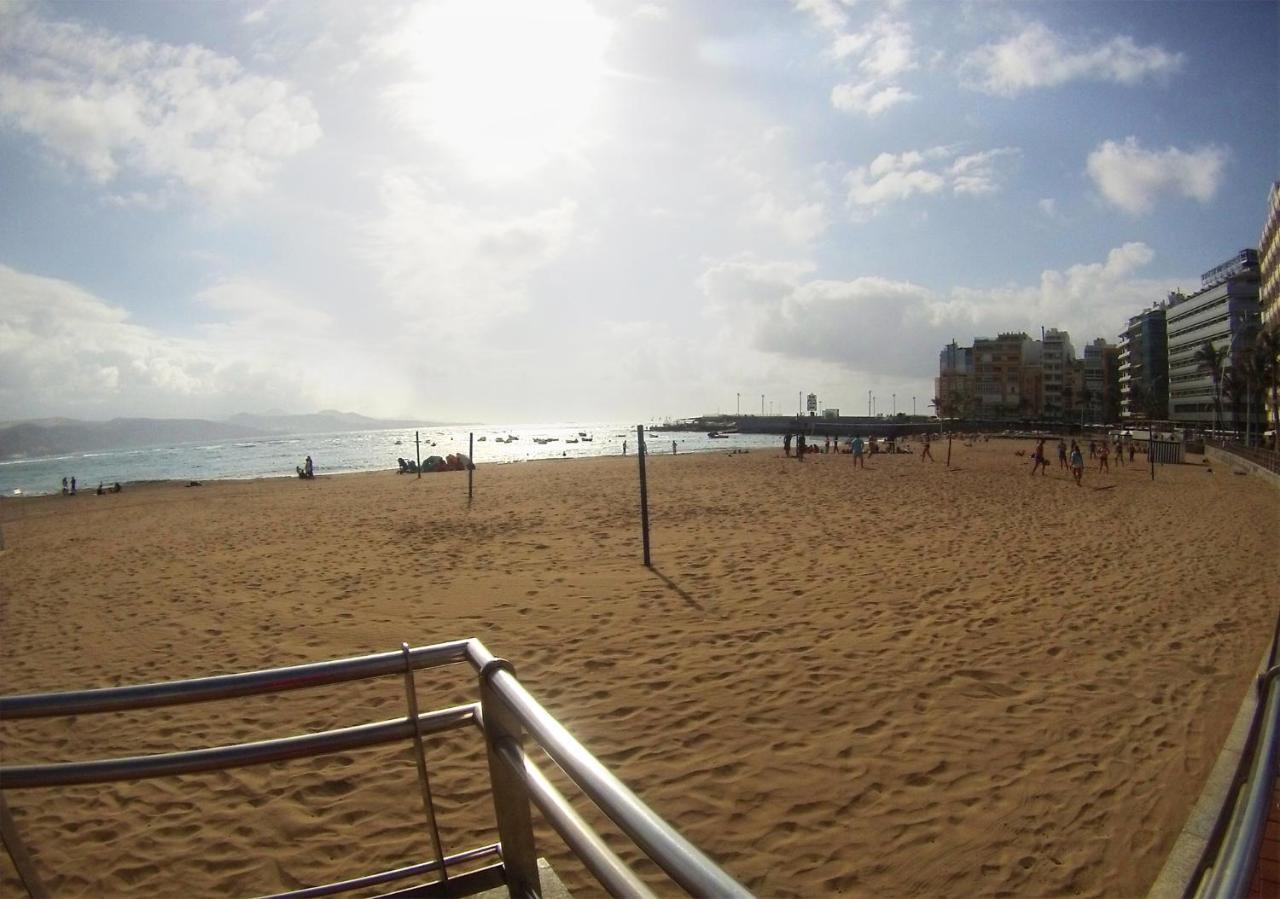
x,y
1227,867
505,714
1265,458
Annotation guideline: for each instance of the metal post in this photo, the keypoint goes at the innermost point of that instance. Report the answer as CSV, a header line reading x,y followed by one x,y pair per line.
x,y
510,793
18,854
644,493
417,452
471,461
1151,449
424,780
948,451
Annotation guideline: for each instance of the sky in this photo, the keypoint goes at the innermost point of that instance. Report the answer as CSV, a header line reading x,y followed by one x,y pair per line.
x,y
504,211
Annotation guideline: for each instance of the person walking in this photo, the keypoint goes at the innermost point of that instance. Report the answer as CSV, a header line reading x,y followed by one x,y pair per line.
x,y
1038,461
856,447
926,453
1077,462
786,444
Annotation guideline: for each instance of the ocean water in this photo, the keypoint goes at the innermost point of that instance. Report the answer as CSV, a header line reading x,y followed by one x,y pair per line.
x,y
346,451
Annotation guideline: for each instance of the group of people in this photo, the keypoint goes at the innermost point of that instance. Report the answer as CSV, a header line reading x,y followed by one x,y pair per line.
x,y
1073,460
69,488
857,448
306,470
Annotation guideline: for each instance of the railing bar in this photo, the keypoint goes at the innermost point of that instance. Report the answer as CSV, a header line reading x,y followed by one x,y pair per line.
x,y
601,861
420,756
221,757
370,880
227,686
689,867
468,884
18,854
1237,856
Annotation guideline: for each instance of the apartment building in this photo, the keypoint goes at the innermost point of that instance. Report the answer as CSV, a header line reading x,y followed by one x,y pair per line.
x,y
1143,376
1225,312
1269,261
1006,375
1057,361
953,388
1099,395
1269,268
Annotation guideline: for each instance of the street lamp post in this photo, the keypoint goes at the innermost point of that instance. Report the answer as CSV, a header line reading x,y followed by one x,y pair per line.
x,y
913,407
895,404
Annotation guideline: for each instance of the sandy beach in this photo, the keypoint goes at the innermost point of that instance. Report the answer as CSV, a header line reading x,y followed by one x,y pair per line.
x,y
901,680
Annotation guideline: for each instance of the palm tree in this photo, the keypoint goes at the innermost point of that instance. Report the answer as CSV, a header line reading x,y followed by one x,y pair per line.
x,y
1268,359
1210,359
1235,384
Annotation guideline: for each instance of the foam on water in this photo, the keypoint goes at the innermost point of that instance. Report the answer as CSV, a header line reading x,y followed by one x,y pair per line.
x,y
348,451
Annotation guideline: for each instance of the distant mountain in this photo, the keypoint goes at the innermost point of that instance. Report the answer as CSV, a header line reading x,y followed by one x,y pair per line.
x,y
55,436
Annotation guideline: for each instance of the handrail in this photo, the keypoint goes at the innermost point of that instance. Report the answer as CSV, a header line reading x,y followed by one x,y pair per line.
x,y
229,686
673,853
1232,870
166,764
607,868
514,705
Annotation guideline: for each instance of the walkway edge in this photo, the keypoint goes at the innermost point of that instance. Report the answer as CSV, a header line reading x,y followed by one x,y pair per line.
x,y
1174,880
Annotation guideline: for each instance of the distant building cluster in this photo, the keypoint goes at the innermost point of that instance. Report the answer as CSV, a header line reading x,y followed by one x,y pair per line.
x,y
1194,360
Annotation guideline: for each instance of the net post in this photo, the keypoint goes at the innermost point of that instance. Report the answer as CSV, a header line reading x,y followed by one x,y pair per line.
x,y
644,494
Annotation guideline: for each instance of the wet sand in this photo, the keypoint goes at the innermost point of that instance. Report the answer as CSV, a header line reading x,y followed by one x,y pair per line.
x,y
897,681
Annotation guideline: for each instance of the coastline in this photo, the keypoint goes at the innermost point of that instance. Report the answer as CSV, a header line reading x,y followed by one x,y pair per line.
x,y
819,682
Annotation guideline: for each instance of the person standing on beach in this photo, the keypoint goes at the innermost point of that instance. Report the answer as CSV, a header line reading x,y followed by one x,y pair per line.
x,y
1077,462
786,444
64,486
624,447
73,486
1038,461
309,468
1093,449
855,446
800,447
673,447
926,453
1103,452
1131,450
1062,454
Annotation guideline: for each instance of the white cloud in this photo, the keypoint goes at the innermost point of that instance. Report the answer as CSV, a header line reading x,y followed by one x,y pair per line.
x,y
868,97
1036,57
457,267
1132,178
114,107
62,347
1049,206
873,57
894,177
876,324
829,14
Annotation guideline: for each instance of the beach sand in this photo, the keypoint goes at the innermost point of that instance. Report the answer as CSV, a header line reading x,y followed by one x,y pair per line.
x,y
897,681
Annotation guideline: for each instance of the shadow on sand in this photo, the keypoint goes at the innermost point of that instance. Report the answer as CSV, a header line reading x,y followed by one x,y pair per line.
x,y
679,591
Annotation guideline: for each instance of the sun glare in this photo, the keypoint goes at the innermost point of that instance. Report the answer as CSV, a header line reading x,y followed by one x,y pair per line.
x,y
507,84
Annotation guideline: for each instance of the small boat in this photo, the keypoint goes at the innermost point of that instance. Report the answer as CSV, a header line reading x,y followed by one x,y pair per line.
x,y
582,433
572,440
586,439
716,435
481,439
397,443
